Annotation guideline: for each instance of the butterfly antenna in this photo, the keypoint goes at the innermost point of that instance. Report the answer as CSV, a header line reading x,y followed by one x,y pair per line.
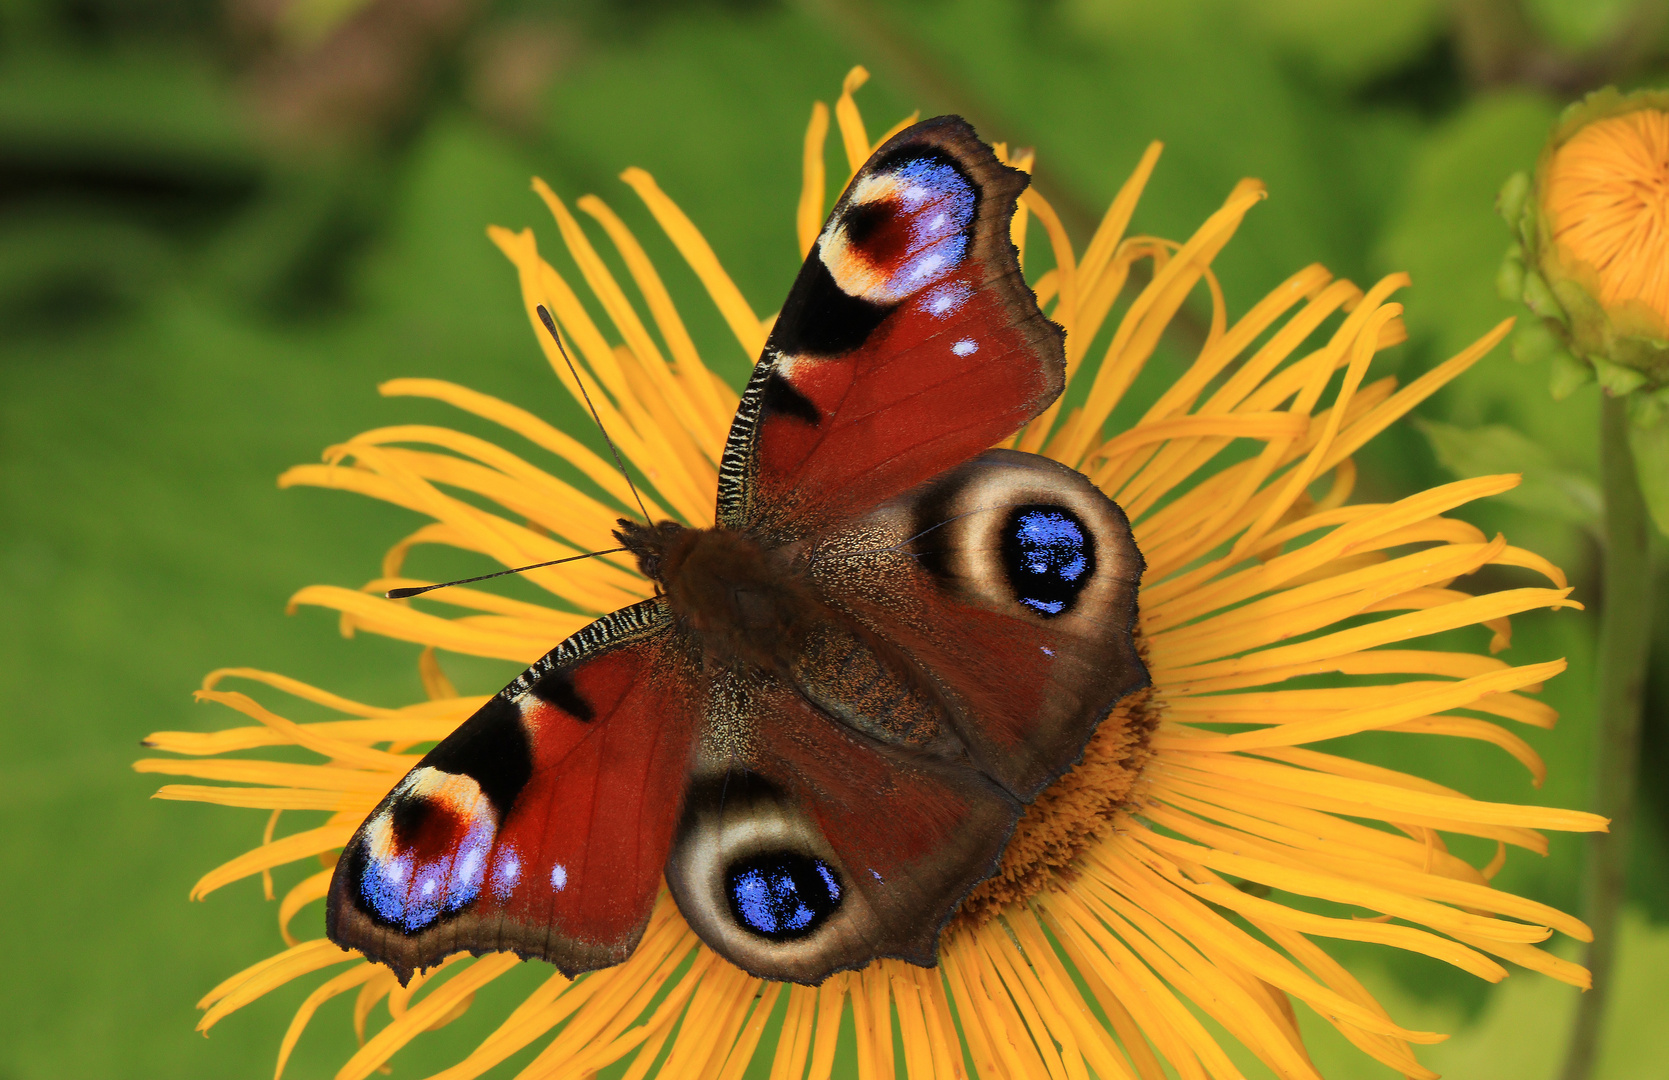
x,y
550,325
401,594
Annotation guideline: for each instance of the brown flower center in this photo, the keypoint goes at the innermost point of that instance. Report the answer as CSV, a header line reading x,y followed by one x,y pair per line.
x,y
1070,813
1608,200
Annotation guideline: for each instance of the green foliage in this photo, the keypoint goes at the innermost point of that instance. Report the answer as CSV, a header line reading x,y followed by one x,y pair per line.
x,y
1497,448
193,297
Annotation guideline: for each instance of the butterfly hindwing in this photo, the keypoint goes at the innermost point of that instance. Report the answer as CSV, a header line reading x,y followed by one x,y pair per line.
x,y
815,847
1011,581
908,343
541,825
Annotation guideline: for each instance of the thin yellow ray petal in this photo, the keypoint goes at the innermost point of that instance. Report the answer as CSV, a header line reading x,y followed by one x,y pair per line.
x,y
1467,728
579,510
694,450
1296,876
1249,793
1316,604
1270,913
1151,312
305,892
978,1040
1301,477
865,1026
260,979
295,688
741,1053
623,994
1230,947
723,992
852,135
1527,956
831,1006
667,435
1391,799
296,846
1475,897
1110,231
794,1041
623,417
264,798
1282,706
949,1060
919,1059
308,735
1407,706
1185,457
418,1018
1066,274
530,427
814,184
990,1004
1195,977
333,987
1357,435
1311,831
375,989
1054,989
1391,1052
541,284
301,954
1145,987
201,743
510,543
1384,632
1135,1025
696,251
1041,1017
701,415
390,619
273,773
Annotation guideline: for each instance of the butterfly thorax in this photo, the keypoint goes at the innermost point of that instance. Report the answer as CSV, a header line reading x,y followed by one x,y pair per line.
x,y
745,605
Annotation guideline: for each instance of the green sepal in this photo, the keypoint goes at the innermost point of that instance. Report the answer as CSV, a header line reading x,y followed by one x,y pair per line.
x,y
1540,299
1651,465
1568,375
1533,342
1509,203
1509,279
1619,381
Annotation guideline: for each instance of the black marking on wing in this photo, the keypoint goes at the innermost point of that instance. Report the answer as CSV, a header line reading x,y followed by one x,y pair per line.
x,y
781,399
818,319
557,688
491,748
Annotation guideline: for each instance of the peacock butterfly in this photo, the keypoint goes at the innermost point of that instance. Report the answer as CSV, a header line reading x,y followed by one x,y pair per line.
x,y
823,727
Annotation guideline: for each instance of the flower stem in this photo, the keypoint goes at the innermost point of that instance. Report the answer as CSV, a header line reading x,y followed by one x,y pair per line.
x,y
1624,643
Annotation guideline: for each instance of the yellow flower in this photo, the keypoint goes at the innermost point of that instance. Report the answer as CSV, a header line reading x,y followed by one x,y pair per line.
x,y
1124,907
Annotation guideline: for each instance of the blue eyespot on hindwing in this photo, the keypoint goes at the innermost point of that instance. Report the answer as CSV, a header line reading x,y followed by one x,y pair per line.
x,y
782,895
1048,554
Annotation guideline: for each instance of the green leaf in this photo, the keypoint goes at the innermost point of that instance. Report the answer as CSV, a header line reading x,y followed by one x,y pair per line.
x,y
1497,448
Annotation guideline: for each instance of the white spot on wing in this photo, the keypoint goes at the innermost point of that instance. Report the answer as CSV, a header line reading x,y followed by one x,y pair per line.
x,y
559,877
965,347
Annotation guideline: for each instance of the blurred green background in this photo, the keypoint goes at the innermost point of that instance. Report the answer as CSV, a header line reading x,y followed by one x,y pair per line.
x,y
222,222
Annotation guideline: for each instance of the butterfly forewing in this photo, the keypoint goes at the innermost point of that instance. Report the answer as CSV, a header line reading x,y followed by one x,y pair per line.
x,y
542,824
908,343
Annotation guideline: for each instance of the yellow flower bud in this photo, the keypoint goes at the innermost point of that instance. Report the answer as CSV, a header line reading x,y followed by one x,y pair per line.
x,y
1593,239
